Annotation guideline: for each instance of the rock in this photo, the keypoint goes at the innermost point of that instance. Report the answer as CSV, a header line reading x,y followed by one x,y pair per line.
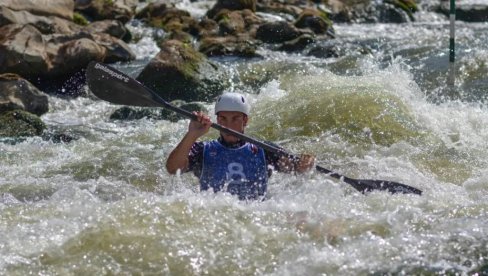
x,y
174,117
314,20
137,113
168,18
290,8
37,57
114,28
20,123
46,25
465,11
134,113
122,10
58,8
297,44
229,46
180,72
231,5
17,93
277,32
22,51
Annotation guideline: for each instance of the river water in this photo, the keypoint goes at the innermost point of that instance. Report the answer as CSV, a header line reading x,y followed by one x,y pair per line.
x,y
104,204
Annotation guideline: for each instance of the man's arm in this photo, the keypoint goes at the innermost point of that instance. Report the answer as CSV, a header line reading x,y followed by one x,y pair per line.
x,y
178,158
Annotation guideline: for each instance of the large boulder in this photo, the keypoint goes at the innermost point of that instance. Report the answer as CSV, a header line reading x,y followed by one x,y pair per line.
x,y
17,93
122,10
27,52
179,72
23,51
45,24
58,8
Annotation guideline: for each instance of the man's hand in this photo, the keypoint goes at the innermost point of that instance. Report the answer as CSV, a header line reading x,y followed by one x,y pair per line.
x,y
200,126
305,163
301,164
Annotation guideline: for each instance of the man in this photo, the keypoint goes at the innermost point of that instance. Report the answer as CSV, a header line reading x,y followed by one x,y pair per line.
x,y
228,163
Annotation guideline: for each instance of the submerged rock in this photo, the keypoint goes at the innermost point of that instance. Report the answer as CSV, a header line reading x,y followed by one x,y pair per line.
x,y
136,113
20,123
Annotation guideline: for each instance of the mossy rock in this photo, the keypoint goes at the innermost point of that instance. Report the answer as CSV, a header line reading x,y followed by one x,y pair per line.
x,y
79,19
20,123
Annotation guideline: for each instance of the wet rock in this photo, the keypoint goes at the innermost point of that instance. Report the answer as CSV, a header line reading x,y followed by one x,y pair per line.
x,y
59,137
20,123
180,72
238,23
291,8
365,11
277,32
466,11
114,28
174,117
45,24
166,17
314,20
29,53
58,8
127,113
297,44
17,93
122,10
229,46
388,13
207,28
324,51
231,5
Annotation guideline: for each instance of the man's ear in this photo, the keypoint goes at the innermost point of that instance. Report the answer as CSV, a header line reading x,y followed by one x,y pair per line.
x,y
246,120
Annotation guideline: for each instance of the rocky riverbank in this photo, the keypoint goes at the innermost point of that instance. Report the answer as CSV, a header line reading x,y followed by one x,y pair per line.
x,y
46,45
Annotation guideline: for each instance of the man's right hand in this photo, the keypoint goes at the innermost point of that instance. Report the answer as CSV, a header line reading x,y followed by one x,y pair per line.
x,y
200,126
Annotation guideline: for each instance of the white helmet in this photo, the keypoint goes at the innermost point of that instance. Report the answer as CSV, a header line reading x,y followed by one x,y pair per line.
x,y
232,102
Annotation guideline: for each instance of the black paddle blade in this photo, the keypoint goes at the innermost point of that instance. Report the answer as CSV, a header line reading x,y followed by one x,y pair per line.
x,y
114,86
367,185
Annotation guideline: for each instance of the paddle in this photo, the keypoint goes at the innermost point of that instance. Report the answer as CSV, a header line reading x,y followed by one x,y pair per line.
x,y
114,86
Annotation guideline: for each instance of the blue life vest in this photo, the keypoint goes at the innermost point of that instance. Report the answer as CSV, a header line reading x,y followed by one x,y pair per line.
x,y
240,171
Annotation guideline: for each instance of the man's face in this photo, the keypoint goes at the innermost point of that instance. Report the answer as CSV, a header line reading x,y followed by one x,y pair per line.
x,y
234,120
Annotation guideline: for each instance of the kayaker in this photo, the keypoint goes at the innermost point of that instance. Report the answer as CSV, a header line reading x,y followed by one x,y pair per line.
x,y
228,163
